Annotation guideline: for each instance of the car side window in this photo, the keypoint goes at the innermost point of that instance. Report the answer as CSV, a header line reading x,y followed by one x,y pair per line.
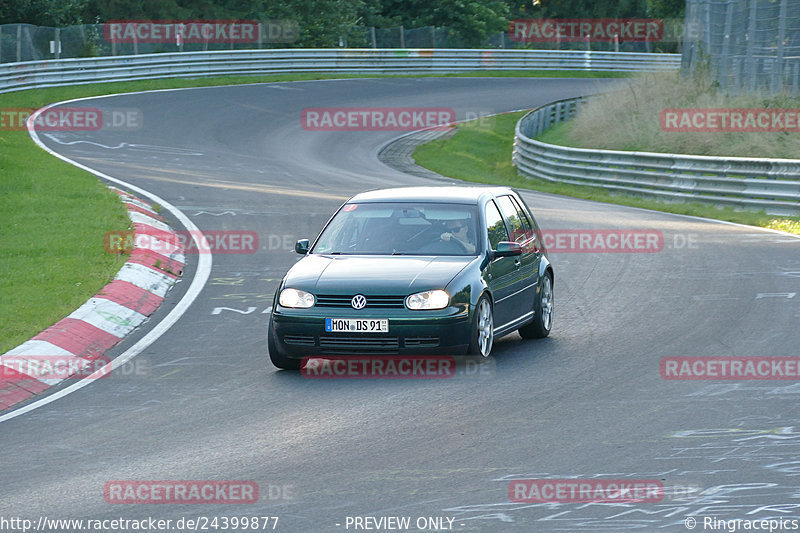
x,y
523,217
494,225
512,218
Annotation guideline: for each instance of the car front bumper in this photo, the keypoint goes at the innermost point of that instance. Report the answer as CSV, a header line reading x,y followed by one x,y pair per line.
x,y
301,333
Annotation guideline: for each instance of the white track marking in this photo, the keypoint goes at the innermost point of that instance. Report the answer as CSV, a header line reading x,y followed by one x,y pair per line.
x,y
204,263
139,218
132,146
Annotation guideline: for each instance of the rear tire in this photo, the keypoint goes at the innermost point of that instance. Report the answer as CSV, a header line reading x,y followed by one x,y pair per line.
x,y
543,321
277,358
482,329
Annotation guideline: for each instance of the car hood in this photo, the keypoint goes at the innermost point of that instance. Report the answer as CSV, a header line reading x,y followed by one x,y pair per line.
x,y
388,275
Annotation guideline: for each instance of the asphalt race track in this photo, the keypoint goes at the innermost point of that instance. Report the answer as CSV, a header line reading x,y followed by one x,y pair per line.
x,y
204,403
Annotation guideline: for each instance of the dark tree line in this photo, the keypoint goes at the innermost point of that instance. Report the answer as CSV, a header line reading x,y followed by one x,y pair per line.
x,y
322,20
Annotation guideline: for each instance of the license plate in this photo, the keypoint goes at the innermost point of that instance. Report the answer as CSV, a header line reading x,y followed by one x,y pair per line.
x,y
357,325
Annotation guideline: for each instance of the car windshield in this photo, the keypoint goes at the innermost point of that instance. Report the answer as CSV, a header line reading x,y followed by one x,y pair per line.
x,y
401,228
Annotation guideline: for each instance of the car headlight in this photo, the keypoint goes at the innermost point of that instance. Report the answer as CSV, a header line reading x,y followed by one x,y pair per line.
x,y
437,299
296,298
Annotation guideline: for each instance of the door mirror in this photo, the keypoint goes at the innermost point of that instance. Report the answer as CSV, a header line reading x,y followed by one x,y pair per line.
x,y
507,249
301,246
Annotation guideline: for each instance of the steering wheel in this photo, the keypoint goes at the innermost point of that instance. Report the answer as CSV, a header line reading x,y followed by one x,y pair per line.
x,y
455,243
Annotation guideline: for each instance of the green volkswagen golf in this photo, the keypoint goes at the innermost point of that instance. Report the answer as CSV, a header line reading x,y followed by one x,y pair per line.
x,y
415,271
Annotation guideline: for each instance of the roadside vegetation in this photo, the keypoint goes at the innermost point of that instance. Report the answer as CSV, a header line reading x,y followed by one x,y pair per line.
x,y
326,23
480,151
54,217
630,120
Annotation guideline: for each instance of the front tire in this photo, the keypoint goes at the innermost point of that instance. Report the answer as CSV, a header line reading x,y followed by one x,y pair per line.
x,y
543,321
482,329
275,355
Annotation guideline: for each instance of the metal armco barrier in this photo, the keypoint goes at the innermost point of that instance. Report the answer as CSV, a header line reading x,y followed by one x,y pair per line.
x,y
769,184
53,73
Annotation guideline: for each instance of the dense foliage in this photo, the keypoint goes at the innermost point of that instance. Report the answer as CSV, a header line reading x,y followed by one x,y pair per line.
x,y
322,20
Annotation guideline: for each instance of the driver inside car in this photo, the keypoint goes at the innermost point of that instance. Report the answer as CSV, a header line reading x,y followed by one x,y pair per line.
x,y
458,230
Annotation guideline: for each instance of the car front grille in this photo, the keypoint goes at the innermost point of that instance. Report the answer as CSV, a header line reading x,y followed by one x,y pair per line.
x,y
349,342
343,343
299,340
421,342
373,302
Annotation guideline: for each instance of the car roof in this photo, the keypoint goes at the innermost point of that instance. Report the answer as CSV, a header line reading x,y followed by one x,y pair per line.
x,y
445,194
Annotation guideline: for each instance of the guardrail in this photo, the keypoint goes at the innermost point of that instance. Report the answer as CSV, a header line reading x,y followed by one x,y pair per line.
x,y
35,74
769,184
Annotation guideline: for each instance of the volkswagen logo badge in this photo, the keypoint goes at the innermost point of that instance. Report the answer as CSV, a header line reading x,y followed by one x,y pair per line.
x,y
358,301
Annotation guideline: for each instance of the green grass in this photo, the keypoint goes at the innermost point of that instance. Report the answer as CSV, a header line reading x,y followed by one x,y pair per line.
x,y
54,216
480,151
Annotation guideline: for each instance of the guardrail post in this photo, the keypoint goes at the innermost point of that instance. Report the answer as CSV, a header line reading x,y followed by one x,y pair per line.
x,y
751,43
402,37
724,62
738,81
777,69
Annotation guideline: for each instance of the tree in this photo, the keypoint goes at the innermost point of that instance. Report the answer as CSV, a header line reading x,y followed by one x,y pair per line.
x,y
322,23
57,13
665,9
579,8
470,23
106,10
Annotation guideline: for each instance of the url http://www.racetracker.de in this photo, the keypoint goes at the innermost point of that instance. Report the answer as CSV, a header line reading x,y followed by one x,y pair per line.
x,y
196,523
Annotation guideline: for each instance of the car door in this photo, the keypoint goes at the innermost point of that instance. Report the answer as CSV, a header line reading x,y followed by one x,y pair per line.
x,y
522,232
501,273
